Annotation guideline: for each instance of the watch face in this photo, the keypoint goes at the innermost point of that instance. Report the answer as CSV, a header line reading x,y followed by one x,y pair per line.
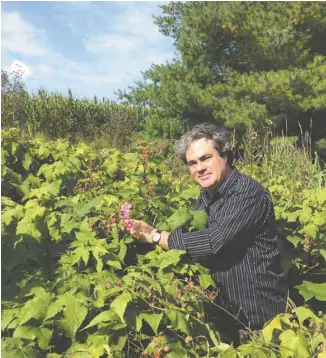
x,y
156,237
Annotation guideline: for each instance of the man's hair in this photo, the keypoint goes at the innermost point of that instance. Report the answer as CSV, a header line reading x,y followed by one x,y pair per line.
x,y
219,135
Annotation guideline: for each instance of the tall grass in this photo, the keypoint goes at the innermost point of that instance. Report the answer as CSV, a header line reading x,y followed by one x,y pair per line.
x,y
290,157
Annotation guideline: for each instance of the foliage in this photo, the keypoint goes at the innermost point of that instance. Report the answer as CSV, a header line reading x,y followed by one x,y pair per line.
x,y
75,283
63,116
245,64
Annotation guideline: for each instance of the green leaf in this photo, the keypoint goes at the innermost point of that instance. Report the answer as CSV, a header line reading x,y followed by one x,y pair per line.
x,y
102,317
319,218
123,251
7,316
55,307
36,307
27,161
178,321
152,319
295,240
112,260
9,215
177,351
206,280
74,315
303,313
294,345
323,253
5,201
178,219
42,334
87,207
199,219
310,230
133,318
268,330
308,290
15,348
117,340
97,254
80,253
171,257
292,217
305,215
119,304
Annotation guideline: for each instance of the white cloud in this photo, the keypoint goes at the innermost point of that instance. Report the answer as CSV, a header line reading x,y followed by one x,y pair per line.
x,y
44,69
94,79
22,68
20,36
120,40
110,43
140,24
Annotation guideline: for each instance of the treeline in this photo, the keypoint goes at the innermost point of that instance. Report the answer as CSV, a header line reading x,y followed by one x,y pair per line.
x,y
257,67
63,116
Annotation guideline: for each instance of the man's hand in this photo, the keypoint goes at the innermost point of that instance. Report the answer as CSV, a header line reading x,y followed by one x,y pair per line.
x,y
143,232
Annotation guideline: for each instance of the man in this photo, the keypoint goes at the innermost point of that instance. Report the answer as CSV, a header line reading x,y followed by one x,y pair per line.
x,y
240,244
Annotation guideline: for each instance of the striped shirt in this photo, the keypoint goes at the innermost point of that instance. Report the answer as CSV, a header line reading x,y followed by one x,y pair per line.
x,y
241,248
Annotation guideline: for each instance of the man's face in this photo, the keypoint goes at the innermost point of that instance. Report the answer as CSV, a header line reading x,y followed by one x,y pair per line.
x,y
206,165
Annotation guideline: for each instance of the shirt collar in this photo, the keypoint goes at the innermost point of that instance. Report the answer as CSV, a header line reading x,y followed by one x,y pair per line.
x,y
222,189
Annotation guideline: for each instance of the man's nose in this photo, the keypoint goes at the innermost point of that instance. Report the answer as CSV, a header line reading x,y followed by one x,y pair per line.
x,y
201,167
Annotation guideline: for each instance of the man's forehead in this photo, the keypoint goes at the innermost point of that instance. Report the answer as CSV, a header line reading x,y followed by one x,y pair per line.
x,y
200,147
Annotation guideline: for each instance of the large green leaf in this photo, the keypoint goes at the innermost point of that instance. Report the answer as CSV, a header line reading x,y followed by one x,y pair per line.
x,y
9,215
102,317
206,280
80,253
54,307
171,257
199,219
7,316
308,290
323,253
42,334
178,219
310,230
74,315
15,348
268,330
294,344
88,206
177,351
133,318
178,321
119,304
152,319
36,307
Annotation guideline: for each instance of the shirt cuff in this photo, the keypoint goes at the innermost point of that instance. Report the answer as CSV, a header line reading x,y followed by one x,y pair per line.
x,y
175,240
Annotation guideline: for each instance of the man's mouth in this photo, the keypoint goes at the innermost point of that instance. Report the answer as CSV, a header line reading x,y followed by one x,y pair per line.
x,y
204,176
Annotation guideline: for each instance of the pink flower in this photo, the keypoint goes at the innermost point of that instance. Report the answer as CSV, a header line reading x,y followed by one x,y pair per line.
x,y
125,214
126,206
128,224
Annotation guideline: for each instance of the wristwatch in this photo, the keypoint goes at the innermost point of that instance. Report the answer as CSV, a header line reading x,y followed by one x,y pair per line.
x,y
156,237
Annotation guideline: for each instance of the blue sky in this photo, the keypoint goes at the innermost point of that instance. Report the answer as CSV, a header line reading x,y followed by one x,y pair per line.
x,y
90,47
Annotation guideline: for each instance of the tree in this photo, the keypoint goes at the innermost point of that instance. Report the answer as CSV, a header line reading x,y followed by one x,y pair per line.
x,y
13,93
258,64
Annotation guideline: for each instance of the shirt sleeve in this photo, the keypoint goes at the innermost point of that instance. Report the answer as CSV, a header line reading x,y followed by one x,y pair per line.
x,y
241,212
